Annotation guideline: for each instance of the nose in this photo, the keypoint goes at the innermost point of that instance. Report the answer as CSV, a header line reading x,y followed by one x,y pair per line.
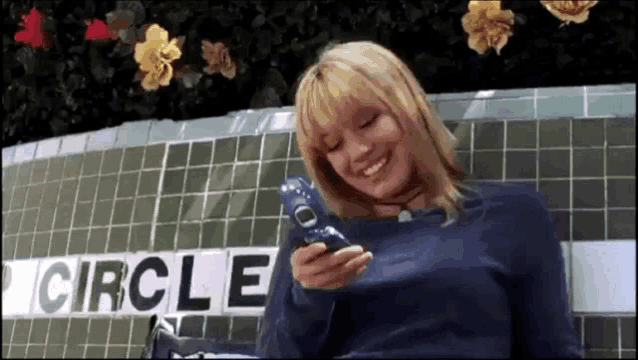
x,y
357,147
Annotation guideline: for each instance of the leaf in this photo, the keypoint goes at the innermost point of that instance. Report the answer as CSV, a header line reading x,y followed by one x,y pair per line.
x,y
26,56
258,21
127,35
136,7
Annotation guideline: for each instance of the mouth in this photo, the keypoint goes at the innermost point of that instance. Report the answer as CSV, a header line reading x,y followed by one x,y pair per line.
x,y
377,168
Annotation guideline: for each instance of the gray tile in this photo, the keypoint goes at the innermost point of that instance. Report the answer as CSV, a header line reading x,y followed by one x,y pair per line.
x,y
127,184
244,328
24,174
216,206
628,332
122,211
588,132
118,239
220,178
177,155
120,329
74,351
488,135
13,222
563,225
21,330
99,330
589,225
510,108
192,326
554,133
196,180
589,194
102,139
38,170
34,195
41,245
265,232
201,153
111,161
72,166
8,247
621,131
166,130
239,232
54,171
169,209
135,352
9,177
225,150
621,162
296,168
553,163
78,242
217,327
82,217
78,331
87,189
192,206
611,105
242,204
617,191
35,351
92,163
601,333
7,330
188,236
45,218
97,241
294,148
173,182
556,192
213,234
621,224
559,106
140,237
18,351
521,134
68,191
140,331
27,225
606,89
149,181
144,208
275,146
249,147
133,158
95,352
488,165
54,351
106,187
588,163
267,203
57,331
63,215
272,173
102,213
164,238
39,329
154,156
245,176
23,248
457,110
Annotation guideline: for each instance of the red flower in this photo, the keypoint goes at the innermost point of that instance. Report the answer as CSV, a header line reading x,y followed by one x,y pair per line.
x,y
32,33
97,30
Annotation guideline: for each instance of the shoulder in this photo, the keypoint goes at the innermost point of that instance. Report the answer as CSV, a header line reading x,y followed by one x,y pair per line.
x,y
516,196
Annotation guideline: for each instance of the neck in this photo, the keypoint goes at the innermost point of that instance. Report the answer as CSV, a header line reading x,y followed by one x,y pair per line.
x,y
418,198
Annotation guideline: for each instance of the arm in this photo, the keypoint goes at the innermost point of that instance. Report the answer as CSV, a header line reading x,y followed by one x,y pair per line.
x,y
542,317
296,321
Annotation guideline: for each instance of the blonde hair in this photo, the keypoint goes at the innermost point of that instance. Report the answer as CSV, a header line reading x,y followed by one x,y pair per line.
x,y
358,73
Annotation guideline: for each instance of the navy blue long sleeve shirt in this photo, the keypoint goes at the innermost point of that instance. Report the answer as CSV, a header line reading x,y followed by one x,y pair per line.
x,y
489,286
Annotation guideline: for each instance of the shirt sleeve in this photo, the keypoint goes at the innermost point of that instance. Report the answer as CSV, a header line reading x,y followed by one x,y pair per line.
x,y
296,321
542,318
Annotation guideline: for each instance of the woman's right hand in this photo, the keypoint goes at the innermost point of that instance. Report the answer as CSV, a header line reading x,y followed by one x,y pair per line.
x,y
314,267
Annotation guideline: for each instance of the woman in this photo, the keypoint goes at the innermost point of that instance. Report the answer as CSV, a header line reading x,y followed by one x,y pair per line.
x,y
457,271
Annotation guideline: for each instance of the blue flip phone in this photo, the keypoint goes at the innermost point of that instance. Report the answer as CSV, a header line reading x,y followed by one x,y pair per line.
x,y
303,205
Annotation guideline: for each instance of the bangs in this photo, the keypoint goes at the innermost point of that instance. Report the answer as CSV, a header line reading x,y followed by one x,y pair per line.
x,y
328,101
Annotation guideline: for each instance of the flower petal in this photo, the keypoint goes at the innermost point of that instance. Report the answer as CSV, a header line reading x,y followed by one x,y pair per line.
x,y
150,81
165,75
170,51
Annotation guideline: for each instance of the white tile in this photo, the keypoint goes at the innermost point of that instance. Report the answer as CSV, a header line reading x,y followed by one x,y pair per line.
x,y
133,133
246,286
102,139
151,272
7,156
17,294
282,121
206,277
24,153
73,144
55,296
48,148
604,276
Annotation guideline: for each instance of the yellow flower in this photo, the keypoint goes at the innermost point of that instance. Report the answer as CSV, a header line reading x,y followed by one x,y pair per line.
x,y
487,25
570,11
155,56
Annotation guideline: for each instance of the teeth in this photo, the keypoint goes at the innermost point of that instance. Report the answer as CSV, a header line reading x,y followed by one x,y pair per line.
x,y
374,168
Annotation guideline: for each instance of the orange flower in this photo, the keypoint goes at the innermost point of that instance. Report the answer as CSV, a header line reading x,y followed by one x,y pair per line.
x,y
216,55
155,56
487,25
570,11
32,33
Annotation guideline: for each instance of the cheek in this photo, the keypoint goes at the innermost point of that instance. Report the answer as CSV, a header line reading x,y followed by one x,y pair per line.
x,y
337,164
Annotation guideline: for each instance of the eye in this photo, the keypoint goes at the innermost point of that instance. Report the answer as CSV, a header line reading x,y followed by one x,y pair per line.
x,y
369,123
334,147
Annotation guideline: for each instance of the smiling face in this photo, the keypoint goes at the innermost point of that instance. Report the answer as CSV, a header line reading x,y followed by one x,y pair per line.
x,y
367,149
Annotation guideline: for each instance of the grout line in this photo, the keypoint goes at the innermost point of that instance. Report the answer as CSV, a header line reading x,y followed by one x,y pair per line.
x,y
605,182
108,333
97,187
130,334
536,104
504,149
26,347
158,197
35,228
472,147
571,212
281,207
86,341
585,105
182,195
75,202
231,195
203,217
110,225
619,339
261,154
132,218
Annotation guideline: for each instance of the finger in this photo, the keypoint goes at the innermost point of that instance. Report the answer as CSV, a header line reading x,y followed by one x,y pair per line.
x,y
308,253
342,275
333,261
